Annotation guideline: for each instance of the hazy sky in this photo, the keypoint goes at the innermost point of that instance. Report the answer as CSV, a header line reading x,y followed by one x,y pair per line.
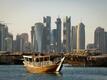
x,y
20,15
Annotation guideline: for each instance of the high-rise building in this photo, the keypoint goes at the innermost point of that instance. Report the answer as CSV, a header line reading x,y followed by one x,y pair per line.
x,y
25,36
9,43
46,40
22,42
67,34
47,33
14,46
58,33
74,37
99,39
47,22
80,37
19,43
32,38
37,36
25,42
105,42
3,35
54,40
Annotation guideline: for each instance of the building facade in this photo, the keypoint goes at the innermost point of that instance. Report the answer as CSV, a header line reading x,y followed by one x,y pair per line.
x,y
80,37
3,35
105,42
19,43
47,34
99,39
74,37
58,33
22,42
67,34
37,37
9,43
54,40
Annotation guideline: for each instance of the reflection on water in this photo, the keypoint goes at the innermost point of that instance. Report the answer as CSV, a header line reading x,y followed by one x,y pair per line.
x,y
44,76
18,72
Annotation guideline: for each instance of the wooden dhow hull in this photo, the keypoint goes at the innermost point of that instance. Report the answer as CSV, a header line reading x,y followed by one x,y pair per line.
x,y
44,69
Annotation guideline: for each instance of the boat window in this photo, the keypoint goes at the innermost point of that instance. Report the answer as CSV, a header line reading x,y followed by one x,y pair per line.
x,y
30,59
37,60
46,59
25,59
41,59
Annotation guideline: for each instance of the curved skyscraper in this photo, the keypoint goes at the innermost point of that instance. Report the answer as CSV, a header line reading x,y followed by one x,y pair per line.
x,y
37,37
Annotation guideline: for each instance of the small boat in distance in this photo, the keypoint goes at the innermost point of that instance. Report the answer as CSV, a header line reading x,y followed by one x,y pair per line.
x,y
42,64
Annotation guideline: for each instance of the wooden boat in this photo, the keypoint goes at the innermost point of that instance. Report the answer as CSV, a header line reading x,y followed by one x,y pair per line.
x,y
42,64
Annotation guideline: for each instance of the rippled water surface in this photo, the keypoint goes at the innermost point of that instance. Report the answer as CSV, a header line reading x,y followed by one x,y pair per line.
x,y
18,72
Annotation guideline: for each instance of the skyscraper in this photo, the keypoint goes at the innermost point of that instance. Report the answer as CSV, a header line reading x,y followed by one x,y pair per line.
x,y
37,37
54,31
9,43
19,43
25,42
47,33
99,39
3,35
14,46
58,33
105,42
74,37
67,34
47,22
80,37
32,38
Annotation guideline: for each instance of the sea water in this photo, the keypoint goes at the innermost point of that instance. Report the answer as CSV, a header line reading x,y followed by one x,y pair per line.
x,y
18,72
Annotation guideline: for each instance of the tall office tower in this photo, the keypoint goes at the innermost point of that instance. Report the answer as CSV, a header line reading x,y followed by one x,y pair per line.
x,y
25,42
3,34
67,34
105,42
58,33
32,38
74,37
80,37
37,36
99,39
47,33
14,46
25,36
9,42
54,31
19,43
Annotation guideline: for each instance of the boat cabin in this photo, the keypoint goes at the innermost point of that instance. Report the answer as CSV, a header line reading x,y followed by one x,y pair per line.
x,y
38,60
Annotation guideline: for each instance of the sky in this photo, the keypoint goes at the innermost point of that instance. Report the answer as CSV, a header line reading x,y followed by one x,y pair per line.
x,y
20,15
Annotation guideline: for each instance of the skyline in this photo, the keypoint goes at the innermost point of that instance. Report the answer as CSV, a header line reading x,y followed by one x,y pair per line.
x,y
20,15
